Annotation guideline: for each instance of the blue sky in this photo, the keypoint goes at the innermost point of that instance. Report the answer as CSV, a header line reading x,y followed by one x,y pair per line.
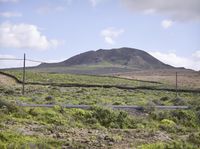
x,y
54,30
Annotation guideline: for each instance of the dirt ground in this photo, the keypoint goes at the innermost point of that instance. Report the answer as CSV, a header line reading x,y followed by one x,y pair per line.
x,y
5,80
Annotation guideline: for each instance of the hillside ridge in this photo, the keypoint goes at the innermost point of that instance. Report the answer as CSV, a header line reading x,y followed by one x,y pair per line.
x,y
126,57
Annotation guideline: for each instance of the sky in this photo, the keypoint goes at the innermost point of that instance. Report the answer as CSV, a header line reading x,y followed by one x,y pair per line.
x,y
54,30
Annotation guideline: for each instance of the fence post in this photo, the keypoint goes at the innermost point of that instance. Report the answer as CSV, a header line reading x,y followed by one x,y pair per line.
x,y
24,65
176,85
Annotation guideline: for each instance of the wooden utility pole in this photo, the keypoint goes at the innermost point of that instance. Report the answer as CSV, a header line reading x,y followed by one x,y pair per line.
x,y
24,74
176,84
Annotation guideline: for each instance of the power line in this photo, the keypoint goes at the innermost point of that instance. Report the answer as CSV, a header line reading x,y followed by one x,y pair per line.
x,y
19,59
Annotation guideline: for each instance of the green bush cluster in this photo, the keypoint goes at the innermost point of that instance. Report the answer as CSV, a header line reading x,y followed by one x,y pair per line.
x,y
170,145
104,117
12,140
113,119
186,118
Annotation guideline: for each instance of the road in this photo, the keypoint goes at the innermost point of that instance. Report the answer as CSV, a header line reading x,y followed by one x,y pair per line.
x,y
119,107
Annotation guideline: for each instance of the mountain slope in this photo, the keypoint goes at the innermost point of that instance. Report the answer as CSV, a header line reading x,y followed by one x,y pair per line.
x,y
124,57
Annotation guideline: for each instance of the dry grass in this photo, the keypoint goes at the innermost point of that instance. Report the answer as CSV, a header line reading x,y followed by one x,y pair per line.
x,y
186,78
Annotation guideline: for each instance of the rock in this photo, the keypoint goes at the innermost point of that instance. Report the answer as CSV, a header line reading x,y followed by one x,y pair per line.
x,y
110,143
59,135
109,138
49,98
69,139
89,131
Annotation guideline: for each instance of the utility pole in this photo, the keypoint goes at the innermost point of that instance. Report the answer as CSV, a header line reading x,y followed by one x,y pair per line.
x,y
176,84
24,74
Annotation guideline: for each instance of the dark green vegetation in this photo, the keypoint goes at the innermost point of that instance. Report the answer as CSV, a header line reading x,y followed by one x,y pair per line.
x,y
98,127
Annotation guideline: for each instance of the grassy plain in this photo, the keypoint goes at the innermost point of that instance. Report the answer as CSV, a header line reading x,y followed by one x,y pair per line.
x,y
100,126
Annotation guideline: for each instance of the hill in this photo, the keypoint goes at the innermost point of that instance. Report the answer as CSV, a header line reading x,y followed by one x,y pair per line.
x,y
128,58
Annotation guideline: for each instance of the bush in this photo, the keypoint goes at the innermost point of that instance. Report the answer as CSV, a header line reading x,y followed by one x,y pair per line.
x,y
194,138
113,119
164,98
12,140
150,107
171,145
184,117
106,117
152,146
168,122
168,125
49,98
198,116
179,102
8,106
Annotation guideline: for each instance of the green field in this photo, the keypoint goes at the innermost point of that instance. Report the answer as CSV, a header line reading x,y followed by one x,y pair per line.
x,y
100,126
32,76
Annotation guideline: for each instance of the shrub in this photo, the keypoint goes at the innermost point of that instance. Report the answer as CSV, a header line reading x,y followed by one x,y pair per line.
x,y
168,125
198,116
179,102
8,106
164,98
168,122
106,117
150,107
171,145
194,138
184,117
152,146
113,119
33,112
49,98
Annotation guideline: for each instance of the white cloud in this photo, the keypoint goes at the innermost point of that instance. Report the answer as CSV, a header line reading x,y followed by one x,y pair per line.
x,y
177,61
110,34
10,14
24,36
196,55
166,24
177,10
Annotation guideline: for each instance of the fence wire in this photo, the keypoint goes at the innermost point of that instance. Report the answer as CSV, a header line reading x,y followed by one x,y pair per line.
x,y
18,62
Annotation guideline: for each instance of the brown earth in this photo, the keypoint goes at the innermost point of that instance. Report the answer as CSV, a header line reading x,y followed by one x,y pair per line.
x,y
5,80
96,138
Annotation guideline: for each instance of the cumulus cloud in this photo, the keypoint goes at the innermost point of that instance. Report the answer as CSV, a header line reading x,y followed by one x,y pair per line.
x,y
10,14
110,34
24,36
166,24
177,10
196,55
177,61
